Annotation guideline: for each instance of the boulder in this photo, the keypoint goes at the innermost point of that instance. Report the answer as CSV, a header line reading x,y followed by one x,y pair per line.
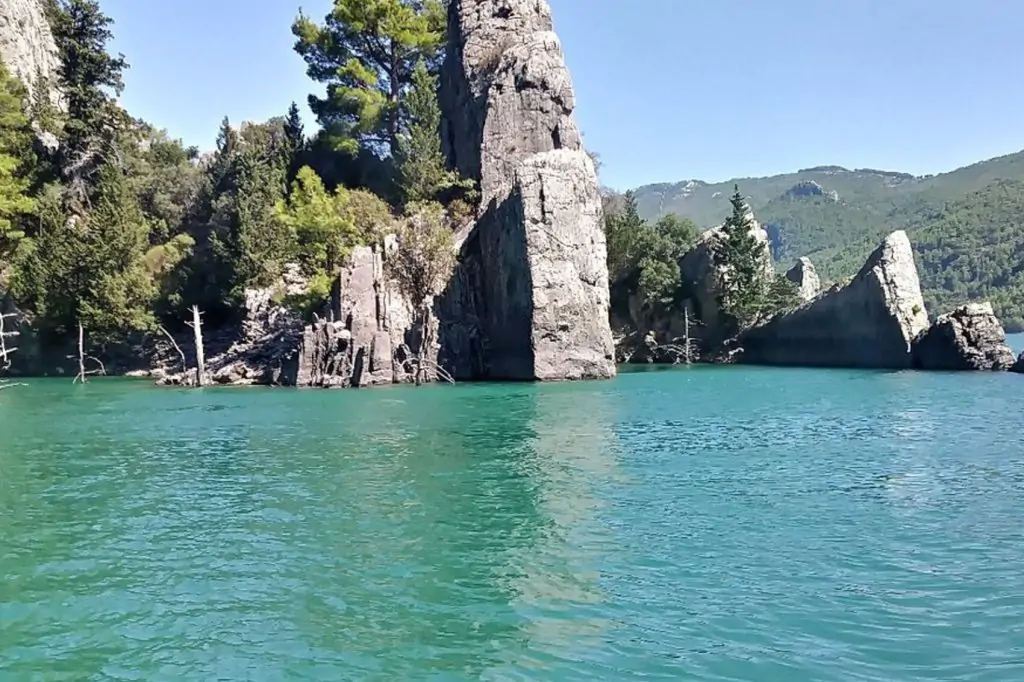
x,y
1018,366
806,278
868,322
529,299
970,337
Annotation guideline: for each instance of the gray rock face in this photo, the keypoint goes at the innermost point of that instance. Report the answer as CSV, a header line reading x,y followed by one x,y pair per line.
x,y
530,297
968,338
806,278
369,343
1018,366
869,322
26,43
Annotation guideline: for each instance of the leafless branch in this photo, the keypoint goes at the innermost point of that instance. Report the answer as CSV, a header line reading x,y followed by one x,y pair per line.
x,y
184,363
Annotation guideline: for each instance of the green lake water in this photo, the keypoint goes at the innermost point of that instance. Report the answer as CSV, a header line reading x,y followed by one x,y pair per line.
x,y
718,523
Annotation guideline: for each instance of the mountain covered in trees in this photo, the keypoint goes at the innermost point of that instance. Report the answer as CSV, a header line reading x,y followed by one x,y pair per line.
x,y
966,226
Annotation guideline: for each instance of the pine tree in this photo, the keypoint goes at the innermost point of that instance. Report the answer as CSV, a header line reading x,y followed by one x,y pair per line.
x,y
87,77
623,232
15,140
295,141
90,269
320,221
366,51
422,169
741,255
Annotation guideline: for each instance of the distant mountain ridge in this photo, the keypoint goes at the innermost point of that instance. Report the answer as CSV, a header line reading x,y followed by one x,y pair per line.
x,y
833,214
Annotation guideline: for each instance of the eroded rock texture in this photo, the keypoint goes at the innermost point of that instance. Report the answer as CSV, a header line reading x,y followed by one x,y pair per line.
x,y
806,278
26,43
970,337
869,322
530,298
369,342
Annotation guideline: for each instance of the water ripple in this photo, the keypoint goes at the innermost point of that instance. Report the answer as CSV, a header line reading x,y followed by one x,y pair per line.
x,y
713,524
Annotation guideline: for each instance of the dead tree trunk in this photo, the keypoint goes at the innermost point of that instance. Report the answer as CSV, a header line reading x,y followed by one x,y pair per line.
x,y
197,327
81,355
5,352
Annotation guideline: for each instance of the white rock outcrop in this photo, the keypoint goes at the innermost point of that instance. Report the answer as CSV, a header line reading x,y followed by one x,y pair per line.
x,y
869,322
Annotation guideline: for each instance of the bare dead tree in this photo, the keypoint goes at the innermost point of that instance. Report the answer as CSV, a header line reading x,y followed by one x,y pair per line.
x,y
83,372
5,352
197,327
181,353
684,349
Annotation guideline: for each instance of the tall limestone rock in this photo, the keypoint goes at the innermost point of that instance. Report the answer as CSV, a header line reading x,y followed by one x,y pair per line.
x,y
530,298
869,322
805,277
27,47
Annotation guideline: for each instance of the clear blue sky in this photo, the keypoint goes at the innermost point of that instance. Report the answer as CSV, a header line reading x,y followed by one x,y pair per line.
x,y
667,89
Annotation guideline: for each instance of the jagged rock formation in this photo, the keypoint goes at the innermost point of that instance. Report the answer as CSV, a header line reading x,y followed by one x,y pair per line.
x,y
868,322
26,43
370,342
806,278
530,298
810,188
967,338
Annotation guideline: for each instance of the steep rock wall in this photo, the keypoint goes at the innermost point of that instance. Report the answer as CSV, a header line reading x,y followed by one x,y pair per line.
x,y
26,43
529,300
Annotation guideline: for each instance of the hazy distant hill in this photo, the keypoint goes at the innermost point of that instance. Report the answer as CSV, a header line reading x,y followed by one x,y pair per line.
x,y
967,225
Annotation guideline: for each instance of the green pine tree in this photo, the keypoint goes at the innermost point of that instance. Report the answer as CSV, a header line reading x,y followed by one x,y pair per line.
x,y
90,269
15,143
366,51
295,141
422,169
741,255
88,76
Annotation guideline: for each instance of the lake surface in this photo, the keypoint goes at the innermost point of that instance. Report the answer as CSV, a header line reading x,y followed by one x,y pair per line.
x,y
718,523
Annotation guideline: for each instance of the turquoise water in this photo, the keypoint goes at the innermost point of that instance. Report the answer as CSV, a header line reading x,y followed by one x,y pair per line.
x,y
709,524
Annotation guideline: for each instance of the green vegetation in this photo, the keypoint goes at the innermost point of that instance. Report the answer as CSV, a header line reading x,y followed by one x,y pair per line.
x,y
366,53
955,220
121,228
644,257
741,257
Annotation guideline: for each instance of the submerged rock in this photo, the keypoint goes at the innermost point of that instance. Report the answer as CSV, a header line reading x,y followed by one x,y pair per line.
x,y
868,322
806,278
970,337
529,299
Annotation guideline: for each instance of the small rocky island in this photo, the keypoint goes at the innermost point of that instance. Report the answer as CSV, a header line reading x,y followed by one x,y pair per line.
x,y
874,320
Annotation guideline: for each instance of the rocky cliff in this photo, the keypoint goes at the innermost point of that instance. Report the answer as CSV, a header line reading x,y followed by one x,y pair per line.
x,y
26,43
806,279
970,337
868,322
530,298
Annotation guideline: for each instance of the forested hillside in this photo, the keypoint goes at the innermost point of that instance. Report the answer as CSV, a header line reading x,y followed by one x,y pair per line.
x,y
964,225
111,226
